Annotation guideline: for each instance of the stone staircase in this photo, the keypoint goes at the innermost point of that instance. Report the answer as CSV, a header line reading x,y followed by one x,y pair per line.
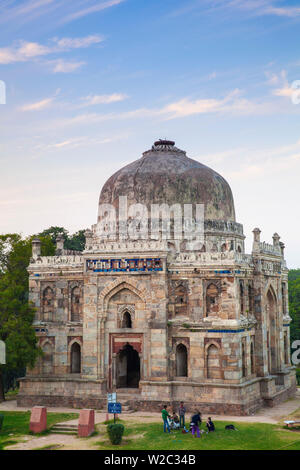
x,y
64,428
127,397
126,407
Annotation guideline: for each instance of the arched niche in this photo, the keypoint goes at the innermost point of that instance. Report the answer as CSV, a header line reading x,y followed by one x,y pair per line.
x,y
75,356
181,361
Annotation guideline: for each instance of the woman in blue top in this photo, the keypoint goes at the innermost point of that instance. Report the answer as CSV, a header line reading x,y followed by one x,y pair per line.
x,y
195,423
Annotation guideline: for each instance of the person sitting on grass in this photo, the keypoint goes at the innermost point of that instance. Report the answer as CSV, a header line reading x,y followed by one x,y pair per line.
x,y
210,425
165,415
175,419
195,423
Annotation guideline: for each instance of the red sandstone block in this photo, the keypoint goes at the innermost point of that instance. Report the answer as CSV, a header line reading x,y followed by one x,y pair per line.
x,y
86,424
38,419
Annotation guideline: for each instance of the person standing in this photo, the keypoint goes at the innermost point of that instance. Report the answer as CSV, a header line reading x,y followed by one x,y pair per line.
x,y
195,423
182,412
165,415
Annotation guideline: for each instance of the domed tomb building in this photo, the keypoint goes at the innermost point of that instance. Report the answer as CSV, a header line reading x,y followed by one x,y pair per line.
x,y
163,305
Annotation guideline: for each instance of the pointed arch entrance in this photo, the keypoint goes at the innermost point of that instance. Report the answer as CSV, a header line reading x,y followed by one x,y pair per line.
x,y
272,333
128,367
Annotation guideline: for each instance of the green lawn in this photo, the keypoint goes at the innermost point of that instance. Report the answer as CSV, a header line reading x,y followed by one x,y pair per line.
x,y
250,436
16,424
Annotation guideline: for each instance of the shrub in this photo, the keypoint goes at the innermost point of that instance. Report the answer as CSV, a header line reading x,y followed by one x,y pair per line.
x,y
1,421
115,432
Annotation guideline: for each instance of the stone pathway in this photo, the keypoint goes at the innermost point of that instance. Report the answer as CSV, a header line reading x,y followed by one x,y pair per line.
x,y
65,442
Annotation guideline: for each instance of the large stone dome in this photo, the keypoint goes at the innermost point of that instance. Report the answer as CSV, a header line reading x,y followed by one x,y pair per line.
x,y
165,174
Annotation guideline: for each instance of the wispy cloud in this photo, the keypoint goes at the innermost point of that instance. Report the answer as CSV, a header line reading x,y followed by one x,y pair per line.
x,y
37,105
92,100
41,104
91,9
291,12
65,44
280,81
63,66
26,11
24,51
232,104
250,7
255,162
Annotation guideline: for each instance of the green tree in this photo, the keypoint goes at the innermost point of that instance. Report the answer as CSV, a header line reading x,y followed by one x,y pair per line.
x,y
53,232
16,313
294,303
74,242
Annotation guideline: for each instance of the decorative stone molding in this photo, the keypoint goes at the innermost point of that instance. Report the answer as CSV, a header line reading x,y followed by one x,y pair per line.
x,y
286,319
119,284
247,322
54,261
125,308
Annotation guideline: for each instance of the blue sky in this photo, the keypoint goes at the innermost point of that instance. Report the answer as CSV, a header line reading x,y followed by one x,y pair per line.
x,y
91,84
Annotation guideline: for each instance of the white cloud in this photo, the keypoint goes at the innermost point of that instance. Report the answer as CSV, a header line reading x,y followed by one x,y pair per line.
x,y
23,51
284,88
62,66
91,9
38,105
233,103
103,99
250,7
290,12
255,162
76,43
55,11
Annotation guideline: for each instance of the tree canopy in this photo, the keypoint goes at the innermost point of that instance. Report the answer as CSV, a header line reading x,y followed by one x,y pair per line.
x,y
294,303
16,313
74,242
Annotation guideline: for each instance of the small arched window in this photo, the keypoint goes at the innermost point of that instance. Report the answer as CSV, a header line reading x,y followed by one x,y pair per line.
x,y
47,359
212,297
244,364
181,297
126,321
242,297
223,247
181,361
283,294
213,362
75,358
48,304
286,349
252,357
76,304
250,299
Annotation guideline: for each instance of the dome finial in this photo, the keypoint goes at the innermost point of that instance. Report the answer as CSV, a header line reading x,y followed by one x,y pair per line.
x,y
160,142
164,145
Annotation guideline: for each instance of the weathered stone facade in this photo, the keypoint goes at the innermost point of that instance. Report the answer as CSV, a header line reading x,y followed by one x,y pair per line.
x,y
163,321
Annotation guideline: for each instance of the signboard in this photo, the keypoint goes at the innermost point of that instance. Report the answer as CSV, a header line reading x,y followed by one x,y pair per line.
x,y
112,397
114,408
2,353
